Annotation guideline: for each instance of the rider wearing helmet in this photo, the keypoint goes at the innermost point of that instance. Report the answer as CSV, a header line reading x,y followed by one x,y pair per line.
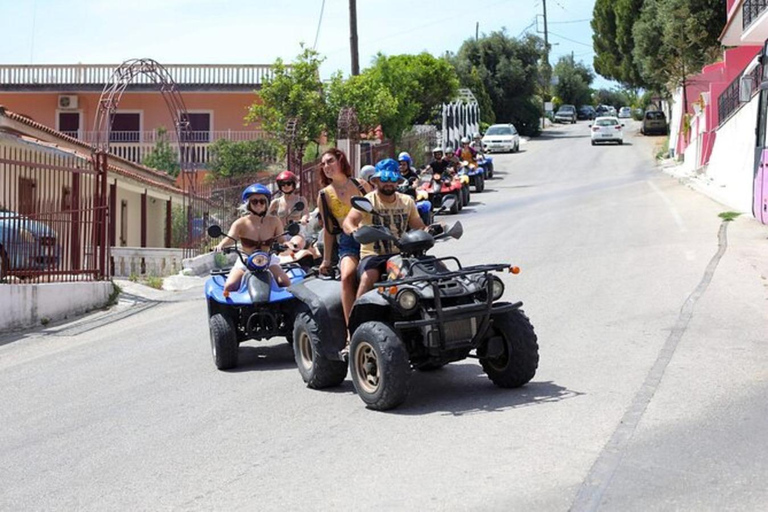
x,y
256,231
366,172
439,164
406,167
395,211
466,153
283,205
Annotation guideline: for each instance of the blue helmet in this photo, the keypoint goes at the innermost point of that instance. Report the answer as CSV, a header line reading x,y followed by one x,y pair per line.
x,y
387,170
256,188
404,157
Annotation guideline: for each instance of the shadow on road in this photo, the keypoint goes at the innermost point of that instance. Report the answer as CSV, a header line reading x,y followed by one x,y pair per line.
x,y
464,389
264,357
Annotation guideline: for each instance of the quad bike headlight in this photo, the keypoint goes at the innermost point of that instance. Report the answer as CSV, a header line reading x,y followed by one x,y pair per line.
x,y
464,179
497,288
258,261
407,299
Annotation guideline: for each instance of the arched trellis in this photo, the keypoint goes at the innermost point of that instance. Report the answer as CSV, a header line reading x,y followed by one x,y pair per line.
x,y
121,78
113,91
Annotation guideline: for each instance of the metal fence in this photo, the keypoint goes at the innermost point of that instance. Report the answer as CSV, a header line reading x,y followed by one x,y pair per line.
x,y
53,214
728,101
751,10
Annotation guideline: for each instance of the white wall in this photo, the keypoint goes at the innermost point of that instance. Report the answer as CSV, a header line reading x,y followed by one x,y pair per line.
x,y
731,163
26,305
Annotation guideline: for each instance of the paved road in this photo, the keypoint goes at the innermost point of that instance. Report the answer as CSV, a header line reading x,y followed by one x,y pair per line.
x,y
650,395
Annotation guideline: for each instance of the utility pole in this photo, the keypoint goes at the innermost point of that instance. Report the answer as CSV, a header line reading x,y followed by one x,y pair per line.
x,y
477,29
547,76
353,37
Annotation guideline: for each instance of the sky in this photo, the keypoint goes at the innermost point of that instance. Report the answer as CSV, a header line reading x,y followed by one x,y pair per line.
x,y
258,32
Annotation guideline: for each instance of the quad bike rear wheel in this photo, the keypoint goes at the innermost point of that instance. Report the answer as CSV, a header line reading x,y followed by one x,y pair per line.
x,y
489,170
479,183
379,366
518,359
456,205
317,371
224,346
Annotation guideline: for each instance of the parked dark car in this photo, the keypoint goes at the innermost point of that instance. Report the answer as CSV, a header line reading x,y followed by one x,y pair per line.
x,y
566,114
602,110
654,121
25,244
586,112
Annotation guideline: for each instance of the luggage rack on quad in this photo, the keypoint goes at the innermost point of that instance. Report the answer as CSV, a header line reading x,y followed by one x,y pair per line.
x,y
450,321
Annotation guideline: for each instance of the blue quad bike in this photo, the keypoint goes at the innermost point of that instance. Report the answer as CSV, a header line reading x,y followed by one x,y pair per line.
x,y
486,162
258,310
425,313
476,175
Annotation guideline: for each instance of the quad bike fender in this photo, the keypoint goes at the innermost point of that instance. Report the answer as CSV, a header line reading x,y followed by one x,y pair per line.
x,y
322,297
259,286
371,306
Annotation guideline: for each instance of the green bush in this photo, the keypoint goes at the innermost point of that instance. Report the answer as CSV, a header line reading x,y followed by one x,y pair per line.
x,y
154,282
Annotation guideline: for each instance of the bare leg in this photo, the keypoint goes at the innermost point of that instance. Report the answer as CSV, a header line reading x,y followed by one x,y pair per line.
x,y
279,274
348,285
233,280
369,277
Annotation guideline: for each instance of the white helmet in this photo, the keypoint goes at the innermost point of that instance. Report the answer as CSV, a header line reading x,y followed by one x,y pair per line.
x,y
465,140
476,135
437,149
367,171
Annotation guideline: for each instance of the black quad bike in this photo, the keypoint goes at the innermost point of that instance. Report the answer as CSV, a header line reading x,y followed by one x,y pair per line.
x,y
427,312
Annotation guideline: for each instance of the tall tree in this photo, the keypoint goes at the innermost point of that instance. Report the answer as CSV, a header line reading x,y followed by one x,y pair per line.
x,y
508,68
418,83
676,38
293,93
607,57
573,81
371,100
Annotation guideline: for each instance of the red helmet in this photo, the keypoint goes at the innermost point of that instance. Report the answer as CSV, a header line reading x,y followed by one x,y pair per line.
x,y
286,176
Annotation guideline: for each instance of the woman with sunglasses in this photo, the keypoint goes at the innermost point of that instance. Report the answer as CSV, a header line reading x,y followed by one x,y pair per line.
x,y
334,201
256,232
282,206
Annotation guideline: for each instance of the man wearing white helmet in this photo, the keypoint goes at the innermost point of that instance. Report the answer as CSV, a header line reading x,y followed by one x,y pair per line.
x,y
439,164
366,172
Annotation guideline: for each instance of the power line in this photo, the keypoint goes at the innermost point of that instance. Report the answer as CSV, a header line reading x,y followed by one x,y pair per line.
x,y
571,40
526,29
317,33
570,21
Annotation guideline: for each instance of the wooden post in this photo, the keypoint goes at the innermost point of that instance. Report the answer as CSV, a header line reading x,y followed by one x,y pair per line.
x,y
168,223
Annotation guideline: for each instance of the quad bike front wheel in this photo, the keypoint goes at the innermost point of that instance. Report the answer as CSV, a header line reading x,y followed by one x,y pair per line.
x,y
465,195
515,364
456,205
224,344
379,366
317,371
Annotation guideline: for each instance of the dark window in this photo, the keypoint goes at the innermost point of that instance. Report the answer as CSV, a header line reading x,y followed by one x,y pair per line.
x,y
69,123
125,128
200,127
655,114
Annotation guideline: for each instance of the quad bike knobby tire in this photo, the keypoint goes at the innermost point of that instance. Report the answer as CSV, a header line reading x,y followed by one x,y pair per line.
x,y
456,208
465,195
224,344
317,371
479,183
520,353
379,366
489,171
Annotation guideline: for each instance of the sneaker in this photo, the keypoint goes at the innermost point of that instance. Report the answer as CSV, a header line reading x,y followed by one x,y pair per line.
x,y
344,353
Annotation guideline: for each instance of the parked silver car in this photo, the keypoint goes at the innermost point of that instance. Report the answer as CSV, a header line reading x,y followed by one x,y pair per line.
x,y
566,114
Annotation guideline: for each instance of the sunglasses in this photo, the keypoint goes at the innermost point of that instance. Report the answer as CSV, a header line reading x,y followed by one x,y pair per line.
x,y
257,201
286,183
389,176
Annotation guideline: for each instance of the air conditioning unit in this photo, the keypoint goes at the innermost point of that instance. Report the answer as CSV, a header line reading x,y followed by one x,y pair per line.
x,y
67,102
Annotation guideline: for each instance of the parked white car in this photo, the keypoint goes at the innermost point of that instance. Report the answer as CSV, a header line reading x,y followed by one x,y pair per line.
x,y
607,129
501,137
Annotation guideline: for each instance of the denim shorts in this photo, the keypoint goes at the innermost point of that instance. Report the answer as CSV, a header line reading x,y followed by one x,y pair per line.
x,y
347,246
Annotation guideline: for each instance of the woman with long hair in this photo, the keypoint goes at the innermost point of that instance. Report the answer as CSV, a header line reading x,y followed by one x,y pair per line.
x,y
334,201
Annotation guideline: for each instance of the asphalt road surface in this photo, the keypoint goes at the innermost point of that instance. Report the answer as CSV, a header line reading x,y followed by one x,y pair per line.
x,y
651,316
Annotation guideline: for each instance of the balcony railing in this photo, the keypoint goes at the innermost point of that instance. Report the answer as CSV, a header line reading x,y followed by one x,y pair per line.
x,y
100,74
136,145
729,102
751,10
